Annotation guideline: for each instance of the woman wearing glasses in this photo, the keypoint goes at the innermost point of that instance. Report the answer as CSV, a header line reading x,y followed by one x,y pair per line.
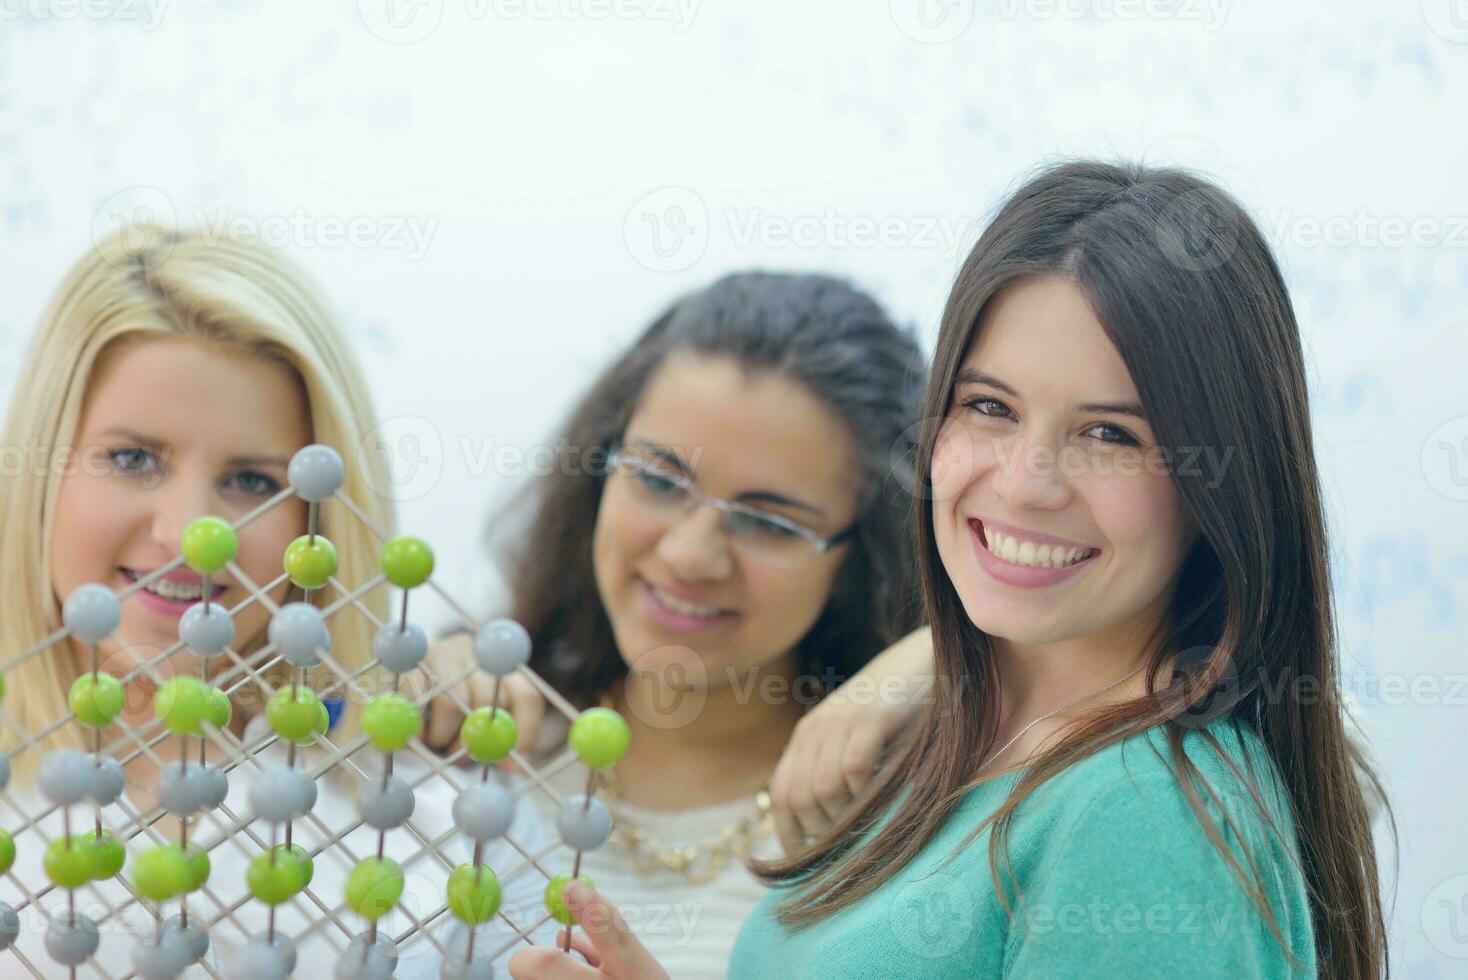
x,y
725,540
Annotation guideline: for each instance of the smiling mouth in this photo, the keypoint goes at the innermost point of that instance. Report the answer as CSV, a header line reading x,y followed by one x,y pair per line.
x,y
683,607
188,592
1027,554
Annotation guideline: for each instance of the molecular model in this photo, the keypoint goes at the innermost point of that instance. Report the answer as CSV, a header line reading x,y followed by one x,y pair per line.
x,y
165,880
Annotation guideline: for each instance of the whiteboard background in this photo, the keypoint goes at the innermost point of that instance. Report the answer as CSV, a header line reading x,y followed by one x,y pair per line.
x,y
571,165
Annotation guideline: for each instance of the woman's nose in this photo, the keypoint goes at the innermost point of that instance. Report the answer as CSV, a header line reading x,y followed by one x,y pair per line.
x,y
181,499
1031,476
695,547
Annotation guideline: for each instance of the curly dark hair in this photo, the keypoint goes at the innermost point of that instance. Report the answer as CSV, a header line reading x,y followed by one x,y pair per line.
x,y
817,331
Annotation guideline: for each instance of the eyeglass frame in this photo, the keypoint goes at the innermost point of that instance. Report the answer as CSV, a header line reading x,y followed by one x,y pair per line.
x,y
697,497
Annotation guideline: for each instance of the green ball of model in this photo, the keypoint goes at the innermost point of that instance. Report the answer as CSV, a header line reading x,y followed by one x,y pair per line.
x,y
390,720
181,704
68,862
309,562
303,861
407,562
218,710
198,865
162,872
374,886
600,737
292,712
108,855
275,875
488,734
95,699
473,893
208,544
555,897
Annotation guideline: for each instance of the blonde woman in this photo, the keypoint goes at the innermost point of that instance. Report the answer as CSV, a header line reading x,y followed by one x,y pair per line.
x,y
174,375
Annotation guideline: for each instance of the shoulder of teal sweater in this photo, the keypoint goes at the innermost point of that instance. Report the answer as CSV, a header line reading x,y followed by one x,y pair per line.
x,y
1130,794
1229,758
1115,835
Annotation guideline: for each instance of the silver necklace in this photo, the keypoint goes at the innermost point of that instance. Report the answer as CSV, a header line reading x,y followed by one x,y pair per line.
x,y
1056,711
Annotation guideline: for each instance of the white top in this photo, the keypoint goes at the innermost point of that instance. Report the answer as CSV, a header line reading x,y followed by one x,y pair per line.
x,y
689,928
319,939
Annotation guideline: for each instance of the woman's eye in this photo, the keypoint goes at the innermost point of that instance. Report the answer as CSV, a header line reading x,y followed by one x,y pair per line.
x,y
754,525
1123,438
973,404
133,461
658,483
253,483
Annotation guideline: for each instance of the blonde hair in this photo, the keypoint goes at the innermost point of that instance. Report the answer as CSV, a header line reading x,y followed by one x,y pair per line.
x,y
148,283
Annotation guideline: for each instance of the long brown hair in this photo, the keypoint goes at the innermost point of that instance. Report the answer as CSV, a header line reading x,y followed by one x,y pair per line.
x,y
821,333
1188,291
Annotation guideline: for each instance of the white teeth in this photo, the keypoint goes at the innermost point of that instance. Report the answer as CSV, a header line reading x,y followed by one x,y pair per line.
x,y
1018,552
176,591
682,606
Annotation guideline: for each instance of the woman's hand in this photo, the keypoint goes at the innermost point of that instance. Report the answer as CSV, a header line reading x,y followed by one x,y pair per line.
x,y
607,944
838,743
448,658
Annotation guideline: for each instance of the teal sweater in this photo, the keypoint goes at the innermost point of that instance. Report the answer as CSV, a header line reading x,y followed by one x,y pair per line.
x,y
1117,878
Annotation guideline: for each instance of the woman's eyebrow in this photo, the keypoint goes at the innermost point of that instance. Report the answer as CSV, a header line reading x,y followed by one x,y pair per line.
x,y
671,456
764,496
973,377
667,455
133,435
277,461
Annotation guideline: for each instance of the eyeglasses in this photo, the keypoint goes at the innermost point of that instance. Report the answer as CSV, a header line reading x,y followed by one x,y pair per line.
x,y
759,534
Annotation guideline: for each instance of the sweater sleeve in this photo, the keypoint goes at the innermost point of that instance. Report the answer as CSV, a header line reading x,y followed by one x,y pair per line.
x,y
1131,886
